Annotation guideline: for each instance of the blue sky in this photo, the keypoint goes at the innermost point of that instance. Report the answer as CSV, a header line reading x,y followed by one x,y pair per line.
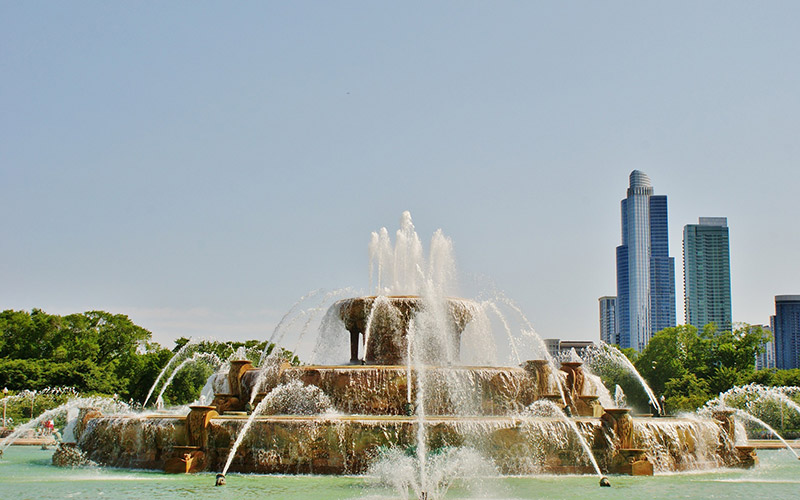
x,y
200,166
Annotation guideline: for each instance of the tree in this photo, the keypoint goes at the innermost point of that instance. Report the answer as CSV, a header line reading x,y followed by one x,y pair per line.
x,y
715,360
95,351
686,393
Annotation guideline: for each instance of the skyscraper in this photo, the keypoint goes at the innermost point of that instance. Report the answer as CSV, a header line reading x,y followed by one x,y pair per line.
x,y
707,273
767,358
787,331
645,271
608,319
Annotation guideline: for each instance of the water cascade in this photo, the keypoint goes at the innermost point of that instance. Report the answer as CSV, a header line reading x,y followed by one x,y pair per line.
x,y
178,355
753,393
750,418
208,357
548,408
108,404
605,353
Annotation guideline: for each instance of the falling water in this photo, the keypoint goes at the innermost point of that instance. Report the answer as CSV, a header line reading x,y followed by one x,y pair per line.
x,y
381,304
311,400
606,352
620,401
211,358
101,402
422,442
544,407
759,392
177,355
297,322
747,416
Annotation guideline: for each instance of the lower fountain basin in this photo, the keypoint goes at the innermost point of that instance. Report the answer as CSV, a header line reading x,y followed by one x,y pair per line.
x,y
336,444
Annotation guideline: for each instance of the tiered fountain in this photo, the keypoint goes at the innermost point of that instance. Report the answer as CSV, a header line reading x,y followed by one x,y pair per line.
x,y
405,389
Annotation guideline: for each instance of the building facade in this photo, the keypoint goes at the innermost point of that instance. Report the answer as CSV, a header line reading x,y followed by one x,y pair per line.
x,y
562,349
787,331
645,272
767,358
707,273
608,319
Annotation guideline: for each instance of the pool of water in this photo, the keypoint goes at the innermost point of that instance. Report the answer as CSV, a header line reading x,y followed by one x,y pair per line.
x,y
26,473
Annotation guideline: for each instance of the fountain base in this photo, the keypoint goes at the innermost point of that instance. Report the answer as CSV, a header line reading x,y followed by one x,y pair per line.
x,y
347,444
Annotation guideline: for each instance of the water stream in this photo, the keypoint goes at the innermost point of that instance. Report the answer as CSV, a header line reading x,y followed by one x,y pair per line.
x,y
544,407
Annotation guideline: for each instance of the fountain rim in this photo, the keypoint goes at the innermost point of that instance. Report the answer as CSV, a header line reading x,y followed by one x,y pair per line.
x,y
400,367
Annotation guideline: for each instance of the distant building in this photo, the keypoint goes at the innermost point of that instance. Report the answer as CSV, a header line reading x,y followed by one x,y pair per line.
x,y
786,328
707,273
645,272
767,358
557,347
608,319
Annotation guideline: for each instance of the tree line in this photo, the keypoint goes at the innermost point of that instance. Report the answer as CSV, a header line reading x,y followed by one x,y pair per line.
x,y
689,366
97,352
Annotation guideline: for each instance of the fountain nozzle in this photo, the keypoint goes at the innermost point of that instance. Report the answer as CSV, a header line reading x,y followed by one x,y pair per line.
x,y
604,482
220,480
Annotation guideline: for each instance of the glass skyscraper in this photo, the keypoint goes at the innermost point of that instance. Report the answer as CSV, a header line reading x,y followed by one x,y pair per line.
x,y
608,319
707,273
645,271
787,331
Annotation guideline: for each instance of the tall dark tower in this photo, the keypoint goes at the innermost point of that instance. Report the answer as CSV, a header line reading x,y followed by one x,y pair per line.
x,y
645,271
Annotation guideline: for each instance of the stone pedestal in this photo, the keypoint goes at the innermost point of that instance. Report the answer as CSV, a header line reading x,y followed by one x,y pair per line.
x,y
574,385
725,419
238,368
197,425
620,424
589,406
540,371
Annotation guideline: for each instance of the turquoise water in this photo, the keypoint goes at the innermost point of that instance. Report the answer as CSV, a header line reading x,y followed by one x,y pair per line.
x,y
26,473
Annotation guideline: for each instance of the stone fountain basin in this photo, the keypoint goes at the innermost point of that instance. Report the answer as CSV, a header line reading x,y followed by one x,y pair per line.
x,y
347,444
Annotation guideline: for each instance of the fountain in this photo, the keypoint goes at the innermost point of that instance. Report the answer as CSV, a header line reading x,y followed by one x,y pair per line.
x,y
402,388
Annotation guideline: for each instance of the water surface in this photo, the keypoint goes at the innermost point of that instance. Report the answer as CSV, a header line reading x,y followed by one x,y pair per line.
x,y
26,473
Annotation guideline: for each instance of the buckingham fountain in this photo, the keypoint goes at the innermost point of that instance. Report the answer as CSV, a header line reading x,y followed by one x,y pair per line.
x,y
416,380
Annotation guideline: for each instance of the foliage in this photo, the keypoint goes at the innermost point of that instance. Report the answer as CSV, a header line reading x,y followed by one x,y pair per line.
x,y
687,365
97,352
773,378
686,393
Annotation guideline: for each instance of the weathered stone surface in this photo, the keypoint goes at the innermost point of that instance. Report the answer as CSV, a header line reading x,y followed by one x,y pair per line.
x,y
388,327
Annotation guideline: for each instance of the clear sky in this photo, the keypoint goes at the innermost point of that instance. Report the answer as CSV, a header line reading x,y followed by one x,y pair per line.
x,y
200,166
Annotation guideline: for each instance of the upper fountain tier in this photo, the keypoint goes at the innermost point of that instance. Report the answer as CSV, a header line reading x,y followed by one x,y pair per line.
x,y
383,324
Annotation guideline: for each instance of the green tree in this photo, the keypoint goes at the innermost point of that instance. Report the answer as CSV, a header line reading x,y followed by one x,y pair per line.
x,y
686,393
715,360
